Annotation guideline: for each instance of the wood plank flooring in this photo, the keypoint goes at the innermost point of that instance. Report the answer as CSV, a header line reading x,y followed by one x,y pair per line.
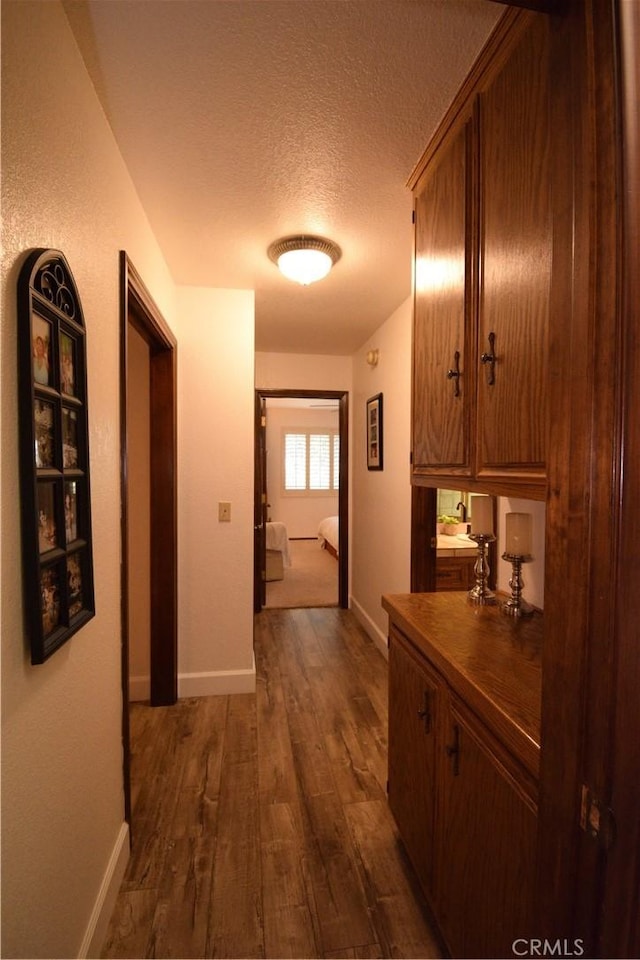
x,y
260,823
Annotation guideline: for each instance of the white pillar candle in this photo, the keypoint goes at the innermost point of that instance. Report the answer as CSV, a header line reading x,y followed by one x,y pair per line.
x,y
518,534
482,515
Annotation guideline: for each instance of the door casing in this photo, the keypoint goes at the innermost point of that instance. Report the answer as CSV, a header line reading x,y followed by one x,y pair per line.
x,y
138,308
342,398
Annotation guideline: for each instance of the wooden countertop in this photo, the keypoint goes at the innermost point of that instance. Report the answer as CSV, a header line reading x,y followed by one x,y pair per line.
x,y
490,660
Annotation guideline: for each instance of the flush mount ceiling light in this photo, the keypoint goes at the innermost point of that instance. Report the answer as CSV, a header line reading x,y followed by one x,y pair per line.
x,y
304,259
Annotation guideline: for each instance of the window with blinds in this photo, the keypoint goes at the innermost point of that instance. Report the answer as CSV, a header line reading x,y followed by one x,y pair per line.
x,y
311,461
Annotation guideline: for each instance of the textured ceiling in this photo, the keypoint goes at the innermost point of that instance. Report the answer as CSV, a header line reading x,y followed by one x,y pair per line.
x,y
244,121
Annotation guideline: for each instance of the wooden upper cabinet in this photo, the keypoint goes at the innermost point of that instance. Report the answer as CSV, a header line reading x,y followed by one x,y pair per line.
x,y
443,381
482,275
515,261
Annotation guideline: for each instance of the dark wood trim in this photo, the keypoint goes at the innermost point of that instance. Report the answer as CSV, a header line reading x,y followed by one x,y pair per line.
x,y
423,525
343,504
620,934
124,539
146,316
139,309
505,486
260,508
164,527
343,495
538,6
568,545
591,665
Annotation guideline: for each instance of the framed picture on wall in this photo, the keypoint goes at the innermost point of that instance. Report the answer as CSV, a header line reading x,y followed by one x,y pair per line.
x,y
54,454
374,433
44,441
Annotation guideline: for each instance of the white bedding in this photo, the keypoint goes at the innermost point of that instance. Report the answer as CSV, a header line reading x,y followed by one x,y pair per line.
x,y
277,539
328,531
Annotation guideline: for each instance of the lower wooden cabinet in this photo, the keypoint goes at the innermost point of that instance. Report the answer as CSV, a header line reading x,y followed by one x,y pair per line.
x,y
464,806
487,836
455,573
413,721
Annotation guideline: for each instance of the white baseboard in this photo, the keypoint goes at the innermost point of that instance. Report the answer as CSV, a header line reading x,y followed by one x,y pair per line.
x,y
374,631
93,939
217,683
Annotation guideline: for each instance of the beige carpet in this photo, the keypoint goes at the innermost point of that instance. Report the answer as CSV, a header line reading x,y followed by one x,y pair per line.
x,y
310,581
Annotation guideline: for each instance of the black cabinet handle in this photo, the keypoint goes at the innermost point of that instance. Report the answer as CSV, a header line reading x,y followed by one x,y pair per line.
x,y
454,373
453,750
425,713
490,358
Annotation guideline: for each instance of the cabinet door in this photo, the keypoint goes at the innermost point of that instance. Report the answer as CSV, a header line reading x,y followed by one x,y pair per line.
x,y
455,573
413,711
487,845
515,268
443,371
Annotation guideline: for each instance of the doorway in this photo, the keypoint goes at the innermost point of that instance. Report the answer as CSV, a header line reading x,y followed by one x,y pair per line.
x,y
144,332
265,564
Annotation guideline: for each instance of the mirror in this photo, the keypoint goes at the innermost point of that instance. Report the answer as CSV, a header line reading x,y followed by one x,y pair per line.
x,y
453,503
455,553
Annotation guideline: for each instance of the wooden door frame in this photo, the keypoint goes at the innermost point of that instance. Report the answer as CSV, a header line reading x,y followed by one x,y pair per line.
x,y
138,308
620,931
342,396
259,507
589,881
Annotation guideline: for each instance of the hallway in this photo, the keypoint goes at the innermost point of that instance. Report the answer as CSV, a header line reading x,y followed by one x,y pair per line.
x,y
260,823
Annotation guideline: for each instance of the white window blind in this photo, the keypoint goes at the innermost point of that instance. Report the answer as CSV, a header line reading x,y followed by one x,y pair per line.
x,y
311,461
295,461
319,461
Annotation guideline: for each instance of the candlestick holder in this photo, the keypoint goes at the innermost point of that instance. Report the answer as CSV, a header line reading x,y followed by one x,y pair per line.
x,y
515,606
480,592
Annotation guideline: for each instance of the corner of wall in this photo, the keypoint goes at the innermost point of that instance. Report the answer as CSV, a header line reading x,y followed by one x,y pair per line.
x,y
105,901
217,683
369,627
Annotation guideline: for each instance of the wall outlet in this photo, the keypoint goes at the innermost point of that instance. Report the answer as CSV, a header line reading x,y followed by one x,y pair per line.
x,y
224,511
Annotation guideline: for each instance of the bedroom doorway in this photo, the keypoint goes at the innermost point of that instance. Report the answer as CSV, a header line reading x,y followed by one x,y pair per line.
x,y
148,471
287,521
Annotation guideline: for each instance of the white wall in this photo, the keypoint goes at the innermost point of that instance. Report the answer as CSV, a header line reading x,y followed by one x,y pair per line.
x,y
300,514
215,330
64,185
299,371
381,512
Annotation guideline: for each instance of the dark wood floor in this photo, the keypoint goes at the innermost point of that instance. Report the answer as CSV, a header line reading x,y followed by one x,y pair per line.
x,y
261,827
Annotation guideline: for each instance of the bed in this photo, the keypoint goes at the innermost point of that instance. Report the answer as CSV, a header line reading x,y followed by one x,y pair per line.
x,y
277,542
328,535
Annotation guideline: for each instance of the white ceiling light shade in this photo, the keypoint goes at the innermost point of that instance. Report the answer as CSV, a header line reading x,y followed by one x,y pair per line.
x,y
304,259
